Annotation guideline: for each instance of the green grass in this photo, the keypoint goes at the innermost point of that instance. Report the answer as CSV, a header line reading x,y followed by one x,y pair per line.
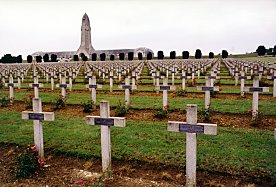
x,y
262,59
155,102
234,151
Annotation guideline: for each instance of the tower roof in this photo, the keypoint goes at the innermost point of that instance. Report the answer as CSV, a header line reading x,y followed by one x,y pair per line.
x,y
85,18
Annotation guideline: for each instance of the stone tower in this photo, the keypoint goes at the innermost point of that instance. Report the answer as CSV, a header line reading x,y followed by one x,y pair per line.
x,y
86,45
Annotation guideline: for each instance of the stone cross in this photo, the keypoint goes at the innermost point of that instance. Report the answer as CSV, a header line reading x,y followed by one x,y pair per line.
x,y
111,77
52,80
19,79
212,78
183,77
70,76
165,89
63,86
11,88
157,77
93,86
127,88
191,128
242,78
38,116
273,77
35,85
255,99
105,121
207,89
134,77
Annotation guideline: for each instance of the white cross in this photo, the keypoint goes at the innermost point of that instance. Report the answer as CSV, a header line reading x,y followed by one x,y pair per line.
x,y
106,122
63,86
11,88
38,116
242,78
127,88
165,89
35,85
93,86
255,99
207,90
273,77
191,128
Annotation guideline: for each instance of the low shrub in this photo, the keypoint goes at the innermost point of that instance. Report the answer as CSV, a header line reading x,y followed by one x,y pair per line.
x,y
161,114
28,163
121,109
180,92
4,102
88,106
60,102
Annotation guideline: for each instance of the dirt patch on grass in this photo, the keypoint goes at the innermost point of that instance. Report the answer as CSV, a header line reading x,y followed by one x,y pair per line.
x,y
62,170
222,120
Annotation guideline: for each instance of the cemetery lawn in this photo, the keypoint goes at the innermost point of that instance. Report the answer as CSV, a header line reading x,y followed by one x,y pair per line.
x,y
234,151
221,105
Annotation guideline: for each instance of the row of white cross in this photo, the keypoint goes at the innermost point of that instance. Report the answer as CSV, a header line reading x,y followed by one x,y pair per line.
x,y
191,127
209,81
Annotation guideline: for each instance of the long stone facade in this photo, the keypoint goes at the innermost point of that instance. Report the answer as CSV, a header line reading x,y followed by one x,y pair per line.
x,y
87,49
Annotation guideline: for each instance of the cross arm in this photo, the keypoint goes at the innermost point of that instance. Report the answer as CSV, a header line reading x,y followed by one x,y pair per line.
x,y
111,121
42,116
199,128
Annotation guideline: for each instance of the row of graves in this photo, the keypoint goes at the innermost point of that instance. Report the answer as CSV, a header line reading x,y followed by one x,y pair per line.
x,y
64,73
129,72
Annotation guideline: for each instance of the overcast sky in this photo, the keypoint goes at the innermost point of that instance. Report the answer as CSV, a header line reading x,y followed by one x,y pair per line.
x,y
238,26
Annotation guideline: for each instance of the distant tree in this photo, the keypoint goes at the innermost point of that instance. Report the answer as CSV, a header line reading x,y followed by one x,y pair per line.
x,y
140,56
19,59
269,51
261,50
160,55
46,58
38,59
274,50
94,56
185,54
172,55
53,58
76,58
8,58
130,56
102,56
122,56
84,58
224,54
149,56
29,59
112,57
211,55
198,54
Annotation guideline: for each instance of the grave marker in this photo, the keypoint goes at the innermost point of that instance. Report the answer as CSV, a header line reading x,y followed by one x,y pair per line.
x,y
165,89
207,89
255,99
273,77
191,128
35,85
93,86
127,88
105,121
38,116
63,86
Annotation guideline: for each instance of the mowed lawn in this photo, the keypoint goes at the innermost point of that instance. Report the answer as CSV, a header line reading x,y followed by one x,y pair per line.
x,y
234,151
266,107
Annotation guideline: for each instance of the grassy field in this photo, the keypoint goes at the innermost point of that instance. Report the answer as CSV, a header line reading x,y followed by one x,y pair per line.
x,y
155,102
234,151
262,59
